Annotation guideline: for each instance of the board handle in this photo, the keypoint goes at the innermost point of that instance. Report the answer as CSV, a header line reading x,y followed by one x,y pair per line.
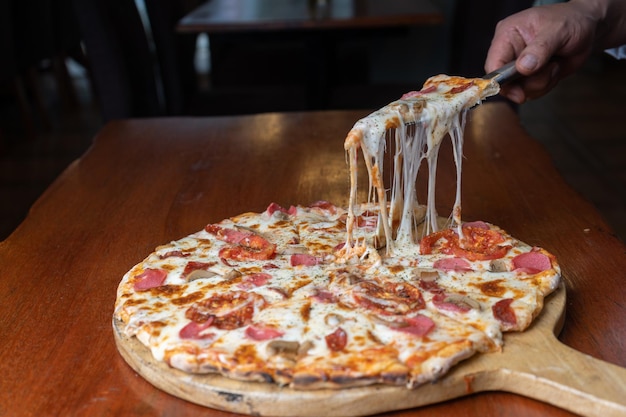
x,y
569,379
537,365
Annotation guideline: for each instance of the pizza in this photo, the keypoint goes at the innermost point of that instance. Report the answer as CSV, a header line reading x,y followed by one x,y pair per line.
x,y
383,291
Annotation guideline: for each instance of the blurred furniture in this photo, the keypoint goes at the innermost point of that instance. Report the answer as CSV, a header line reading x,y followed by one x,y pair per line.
x,y
221,16
474,23
36,35
139,66
319,25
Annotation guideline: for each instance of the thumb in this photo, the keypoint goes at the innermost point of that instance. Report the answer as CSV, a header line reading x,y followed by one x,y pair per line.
x,y
537,54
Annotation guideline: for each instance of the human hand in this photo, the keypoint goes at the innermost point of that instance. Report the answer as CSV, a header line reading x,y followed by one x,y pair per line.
x,y
547,43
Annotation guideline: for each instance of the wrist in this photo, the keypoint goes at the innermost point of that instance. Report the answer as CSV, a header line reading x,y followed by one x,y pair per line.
x,y
609,17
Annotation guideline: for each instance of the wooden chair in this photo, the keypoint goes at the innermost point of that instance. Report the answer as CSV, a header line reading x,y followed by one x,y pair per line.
x,y
138,68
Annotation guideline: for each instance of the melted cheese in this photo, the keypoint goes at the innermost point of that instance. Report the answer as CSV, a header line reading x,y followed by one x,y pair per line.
x,y
419,123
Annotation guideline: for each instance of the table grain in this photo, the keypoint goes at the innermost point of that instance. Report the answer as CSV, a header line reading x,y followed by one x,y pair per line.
x,y
145,182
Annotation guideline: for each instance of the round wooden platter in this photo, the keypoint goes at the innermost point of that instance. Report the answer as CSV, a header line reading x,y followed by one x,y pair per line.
x,y
533,363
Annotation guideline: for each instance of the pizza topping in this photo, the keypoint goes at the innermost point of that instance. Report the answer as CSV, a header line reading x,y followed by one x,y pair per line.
x,y
419,325
174,253
461,88
149,278
254,280
498,265
226,311
478,224
426,274
391,298
337,340
430,286
303,259
246,245
423,91
367,222
324,296
503,311
452,264
274,207
197,270
325,205
480,244
477,243
195,330
532,262
284,348
455,302
260,332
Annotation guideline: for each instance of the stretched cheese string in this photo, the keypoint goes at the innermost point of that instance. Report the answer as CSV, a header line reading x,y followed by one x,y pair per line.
x,y
434,112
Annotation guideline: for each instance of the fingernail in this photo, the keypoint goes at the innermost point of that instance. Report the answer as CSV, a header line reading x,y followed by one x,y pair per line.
x,y
528,62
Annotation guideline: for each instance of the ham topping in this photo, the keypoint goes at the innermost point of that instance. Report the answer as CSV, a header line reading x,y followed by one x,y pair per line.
x,y
149,278
254,280
260,332
325,205
419,325
426,90
195,330
274,207
303,259
532,262
452,264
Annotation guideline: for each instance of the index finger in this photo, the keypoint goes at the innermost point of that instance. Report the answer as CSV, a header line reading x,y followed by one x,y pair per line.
x,y
500,53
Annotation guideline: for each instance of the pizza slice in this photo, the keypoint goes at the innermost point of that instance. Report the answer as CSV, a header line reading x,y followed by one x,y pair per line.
x,y
417,124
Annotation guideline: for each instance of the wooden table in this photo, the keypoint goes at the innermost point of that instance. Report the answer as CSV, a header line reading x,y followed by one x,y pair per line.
x,y
146,182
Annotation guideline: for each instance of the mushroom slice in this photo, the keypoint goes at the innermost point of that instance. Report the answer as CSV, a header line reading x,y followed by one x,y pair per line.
x,y
199,274
462,301
232,274
304,348
295,249
280,215
284,348
427,275
394,324
498,265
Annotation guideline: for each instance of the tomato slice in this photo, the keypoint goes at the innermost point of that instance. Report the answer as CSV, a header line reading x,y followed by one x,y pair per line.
x,y
433,242
480,244
477,244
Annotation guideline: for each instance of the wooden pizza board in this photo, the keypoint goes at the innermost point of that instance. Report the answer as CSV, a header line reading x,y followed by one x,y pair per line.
x,y
533,363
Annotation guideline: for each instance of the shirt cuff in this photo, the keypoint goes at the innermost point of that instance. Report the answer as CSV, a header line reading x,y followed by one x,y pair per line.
x,y
619,53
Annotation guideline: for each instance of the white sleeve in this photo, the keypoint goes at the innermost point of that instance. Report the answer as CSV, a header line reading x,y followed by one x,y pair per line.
x,y
619,53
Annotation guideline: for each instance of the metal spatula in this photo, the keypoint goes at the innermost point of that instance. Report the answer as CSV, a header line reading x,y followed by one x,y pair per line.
x,y
504,74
